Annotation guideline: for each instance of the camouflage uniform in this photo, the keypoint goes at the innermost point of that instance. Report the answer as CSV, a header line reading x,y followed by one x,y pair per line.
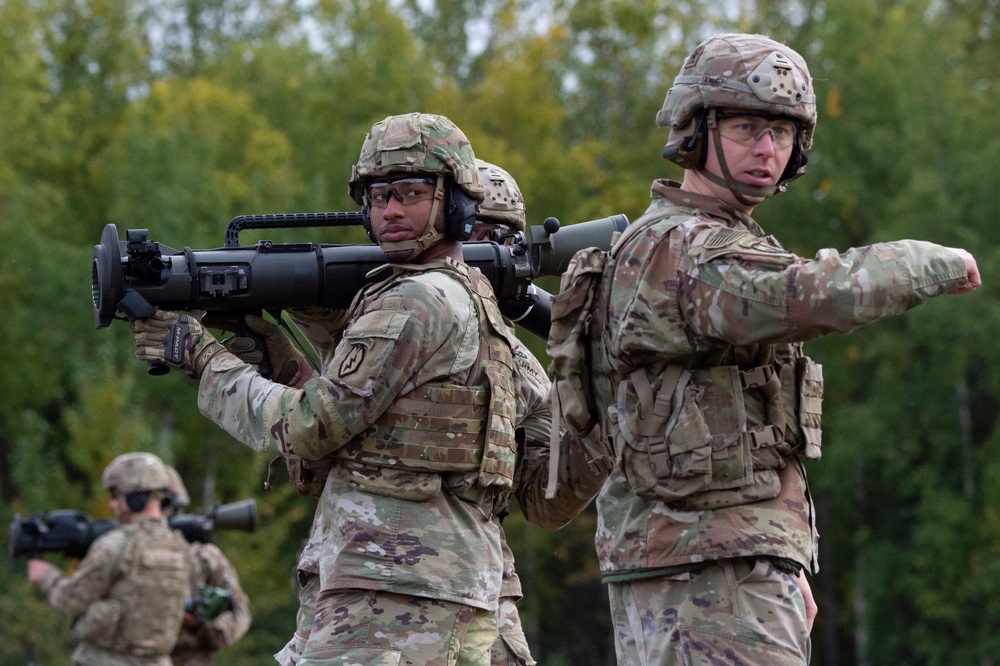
x,y
211,568
127,595
701,382
416,328
578,484
578,481
412,420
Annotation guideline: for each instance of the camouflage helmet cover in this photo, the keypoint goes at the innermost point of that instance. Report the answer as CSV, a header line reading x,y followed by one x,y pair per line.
x,y
419,143
741,71
503,203
136,472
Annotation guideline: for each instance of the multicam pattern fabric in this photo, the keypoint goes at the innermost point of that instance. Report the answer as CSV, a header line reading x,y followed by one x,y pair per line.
x,y
751,72
712,616
578,485
511,647
578,479
210,567
420,143
503,203
422,328
127,595
709,288
384,628
135,472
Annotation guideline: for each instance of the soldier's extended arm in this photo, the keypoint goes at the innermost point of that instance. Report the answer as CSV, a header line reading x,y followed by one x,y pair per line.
x,y
728,284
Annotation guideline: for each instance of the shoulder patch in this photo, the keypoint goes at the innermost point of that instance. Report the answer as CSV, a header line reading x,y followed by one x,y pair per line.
x,y
354,360
740,243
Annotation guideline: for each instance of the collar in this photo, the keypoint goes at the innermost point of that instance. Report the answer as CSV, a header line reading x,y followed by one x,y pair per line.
x,y
666,190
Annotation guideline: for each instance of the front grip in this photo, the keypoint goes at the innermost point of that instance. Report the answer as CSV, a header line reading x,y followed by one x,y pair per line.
x,y
135,306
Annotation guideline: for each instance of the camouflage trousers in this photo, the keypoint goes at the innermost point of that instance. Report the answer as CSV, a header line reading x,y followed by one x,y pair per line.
x,y
308,592
511,646
739,612
375,628
509,649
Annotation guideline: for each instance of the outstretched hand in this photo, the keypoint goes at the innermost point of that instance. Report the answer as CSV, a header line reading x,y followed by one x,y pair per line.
x,y
972,278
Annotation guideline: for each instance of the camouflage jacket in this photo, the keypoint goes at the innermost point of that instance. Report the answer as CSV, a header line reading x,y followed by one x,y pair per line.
x,y
578,485
127,595
211,568
578,480
420,326
705,287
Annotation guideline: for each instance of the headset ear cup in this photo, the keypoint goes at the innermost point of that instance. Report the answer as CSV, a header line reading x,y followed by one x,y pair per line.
x,y
691,152
366,221
796,165
461,214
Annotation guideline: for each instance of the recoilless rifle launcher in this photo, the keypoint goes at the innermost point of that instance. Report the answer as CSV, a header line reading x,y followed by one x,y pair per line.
x,y
136,275
71,532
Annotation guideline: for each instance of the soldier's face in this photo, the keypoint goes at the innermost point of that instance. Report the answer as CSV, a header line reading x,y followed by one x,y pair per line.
x,y
754,158
402,209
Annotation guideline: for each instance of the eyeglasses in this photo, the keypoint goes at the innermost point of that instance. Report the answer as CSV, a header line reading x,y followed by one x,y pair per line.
x,y
748,129
406,191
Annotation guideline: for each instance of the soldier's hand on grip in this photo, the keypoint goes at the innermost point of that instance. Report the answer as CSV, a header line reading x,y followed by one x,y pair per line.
x,y
290,366
177,340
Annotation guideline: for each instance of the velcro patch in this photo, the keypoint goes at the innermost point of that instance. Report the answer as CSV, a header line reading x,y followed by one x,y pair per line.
x,y
723,242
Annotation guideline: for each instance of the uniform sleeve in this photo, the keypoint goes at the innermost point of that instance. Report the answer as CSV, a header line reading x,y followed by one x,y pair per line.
x,y
233,624
704,284
415,330
93,576
322,328
579,482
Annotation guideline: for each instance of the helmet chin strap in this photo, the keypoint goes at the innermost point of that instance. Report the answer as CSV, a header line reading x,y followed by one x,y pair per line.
x,y
430,237
740,190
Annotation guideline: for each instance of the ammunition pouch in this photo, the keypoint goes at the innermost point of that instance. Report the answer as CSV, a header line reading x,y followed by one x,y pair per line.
x,y
716,437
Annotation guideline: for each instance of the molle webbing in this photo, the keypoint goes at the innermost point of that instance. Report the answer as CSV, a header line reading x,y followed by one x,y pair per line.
x,y
782,403
437,428
496,364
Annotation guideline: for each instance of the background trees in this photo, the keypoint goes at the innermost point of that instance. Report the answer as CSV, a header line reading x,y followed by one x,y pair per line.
x,y
177,116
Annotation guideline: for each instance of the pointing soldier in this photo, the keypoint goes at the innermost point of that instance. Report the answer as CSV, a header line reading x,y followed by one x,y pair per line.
x,y
706,526
127,594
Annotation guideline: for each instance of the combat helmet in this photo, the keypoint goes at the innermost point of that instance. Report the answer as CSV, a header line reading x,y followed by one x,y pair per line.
x,y
750,72
503,203
429,145
136,473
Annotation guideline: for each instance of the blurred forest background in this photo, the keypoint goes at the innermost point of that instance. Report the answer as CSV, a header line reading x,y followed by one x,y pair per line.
x,y
178,115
